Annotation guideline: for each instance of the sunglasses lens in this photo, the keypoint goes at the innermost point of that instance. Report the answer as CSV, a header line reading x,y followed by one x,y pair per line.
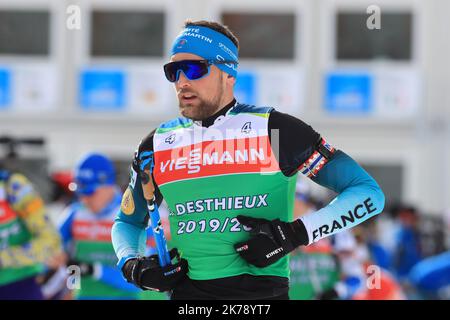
x,y
171,70
193,70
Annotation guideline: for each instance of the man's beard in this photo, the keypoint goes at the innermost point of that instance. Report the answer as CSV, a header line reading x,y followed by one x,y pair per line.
x,y
204,109
201,111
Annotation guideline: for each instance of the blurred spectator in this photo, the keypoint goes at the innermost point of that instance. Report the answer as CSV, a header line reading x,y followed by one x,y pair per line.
x,y
447,228
27,238
408,251
432,235
431,277
367,235
377,261
313,268
352,277
360,278
86,231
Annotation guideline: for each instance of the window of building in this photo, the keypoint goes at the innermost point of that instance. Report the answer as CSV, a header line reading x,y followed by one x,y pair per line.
x,y
263,36
24,32
355,41
127,34
390,179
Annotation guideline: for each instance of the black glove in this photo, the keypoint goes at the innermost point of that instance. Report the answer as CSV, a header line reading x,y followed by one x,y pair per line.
x,y
86,269
147,274
270,240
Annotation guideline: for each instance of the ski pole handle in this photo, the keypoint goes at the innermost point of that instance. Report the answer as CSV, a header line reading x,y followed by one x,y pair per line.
x,y
158,233
148,189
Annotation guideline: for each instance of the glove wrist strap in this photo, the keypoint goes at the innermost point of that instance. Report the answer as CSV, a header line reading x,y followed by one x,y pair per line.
x,y
300,235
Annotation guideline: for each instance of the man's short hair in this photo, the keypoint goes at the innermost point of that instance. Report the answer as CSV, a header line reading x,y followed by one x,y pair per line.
x,y
216,27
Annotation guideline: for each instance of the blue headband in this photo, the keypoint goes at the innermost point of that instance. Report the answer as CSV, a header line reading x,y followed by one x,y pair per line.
x,y
208,44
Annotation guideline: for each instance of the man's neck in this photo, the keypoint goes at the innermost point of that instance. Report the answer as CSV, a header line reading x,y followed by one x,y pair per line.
x,y
222,111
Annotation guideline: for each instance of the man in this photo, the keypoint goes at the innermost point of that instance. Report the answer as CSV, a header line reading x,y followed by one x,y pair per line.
x,y
230,194
27,238
86,231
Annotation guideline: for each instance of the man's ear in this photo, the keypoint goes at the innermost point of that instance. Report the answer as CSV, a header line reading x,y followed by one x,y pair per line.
x,y
231,79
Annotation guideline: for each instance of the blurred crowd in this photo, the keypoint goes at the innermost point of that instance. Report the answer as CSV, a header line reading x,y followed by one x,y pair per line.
x,y
62,249
400,254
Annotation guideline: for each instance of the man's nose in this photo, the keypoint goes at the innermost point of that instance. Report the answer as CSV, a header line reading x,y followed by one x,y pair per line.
x,y
183,81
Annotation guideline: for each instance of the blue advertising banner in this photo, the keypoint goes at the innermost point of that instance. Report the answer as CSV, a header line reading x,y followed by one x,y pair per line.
x,y
349,93
5,88
102,90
